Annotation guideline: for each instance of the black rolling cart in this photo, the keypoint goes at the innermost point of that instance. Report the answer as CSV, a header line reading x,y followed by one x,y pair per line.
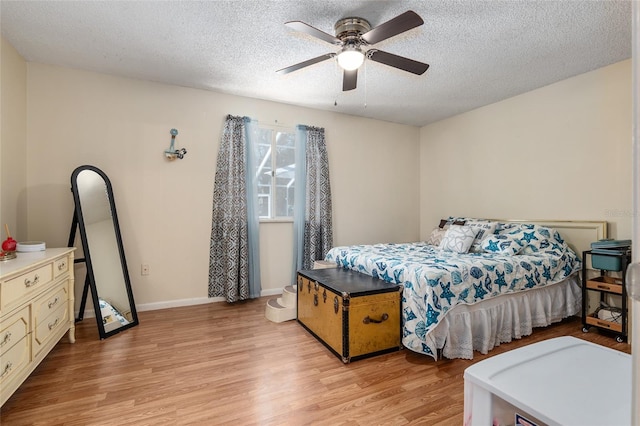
x,y
606,316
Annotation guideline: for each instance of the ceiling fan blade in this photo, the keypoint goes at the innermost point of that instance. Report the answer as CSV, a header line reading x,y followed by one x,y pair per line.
x,y
308,29
306,63
393,27
396,61
350,80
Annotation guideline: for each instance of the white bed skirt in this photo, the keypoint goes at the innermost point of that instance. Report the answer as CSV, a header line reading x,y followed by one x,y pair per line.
x,y
485,325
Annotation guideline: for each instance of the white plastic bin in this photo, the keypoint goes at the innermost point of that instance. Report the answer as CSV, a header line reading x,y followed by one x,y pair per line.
x,y
562,381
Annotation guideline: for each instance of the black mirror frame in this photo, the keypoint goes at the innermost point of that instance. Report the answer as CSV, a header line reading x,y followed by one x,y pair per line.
x,y
87,255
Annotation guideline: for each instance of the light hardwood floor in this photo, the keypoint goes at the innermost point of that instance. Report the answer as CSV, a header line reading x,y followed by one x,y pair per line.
x,y
226,364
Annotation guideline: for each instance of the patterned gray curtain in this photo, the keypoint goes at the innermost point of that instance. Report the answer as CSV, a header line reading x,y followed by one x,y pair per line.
x,y
313,229
230,274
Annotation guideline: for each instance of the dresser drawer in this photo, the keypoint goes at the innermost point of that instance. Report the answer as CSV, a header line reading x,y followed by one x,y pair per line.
x,y
60,266
13,290
13,361
51,301
14,328
50,326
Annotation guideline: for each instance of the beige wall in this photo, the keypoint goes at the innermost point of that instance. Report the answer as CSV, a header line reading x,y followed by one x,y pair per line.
x,y
13,136
122,126
560,152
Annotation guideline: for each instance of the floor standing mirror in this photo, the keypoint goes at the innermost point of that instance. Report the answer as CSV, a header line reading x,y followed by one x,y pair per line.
x,y
107,274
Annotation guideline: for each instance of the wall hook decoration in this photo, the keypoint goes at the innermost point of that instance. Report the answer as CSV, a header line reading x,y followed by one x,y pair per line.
x,y
172,153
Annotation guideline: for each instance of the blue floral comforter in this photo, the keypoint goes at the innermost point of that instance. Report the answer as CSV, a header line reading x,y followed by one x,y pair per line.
x,y
435,280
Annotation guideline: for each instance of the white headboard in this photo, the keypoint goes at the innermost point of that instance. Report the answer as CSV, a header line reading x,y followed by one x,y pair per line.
x,y
578,234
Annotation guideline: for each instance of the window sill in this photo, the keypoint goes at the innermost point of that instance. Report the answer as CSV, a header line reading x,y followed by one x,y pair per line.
x,y
280,220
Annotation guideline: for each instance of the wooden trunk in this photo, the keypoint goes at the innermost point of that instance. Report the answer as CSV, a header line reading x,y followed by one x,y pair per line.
x,y
352,314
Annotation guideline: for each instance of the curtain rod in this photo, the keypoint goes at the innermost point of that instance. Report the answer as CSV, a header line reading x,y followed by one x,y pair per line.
x,y
276,123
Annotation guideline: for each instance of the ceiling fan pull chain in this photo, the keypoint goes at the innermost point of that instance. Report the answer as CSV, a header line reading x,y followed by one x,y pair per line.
x,y
365,85
339,74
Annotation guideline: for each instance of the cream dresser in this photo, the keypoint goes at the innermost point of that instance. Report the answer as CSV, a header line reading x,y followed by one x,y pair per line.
x,y
36,310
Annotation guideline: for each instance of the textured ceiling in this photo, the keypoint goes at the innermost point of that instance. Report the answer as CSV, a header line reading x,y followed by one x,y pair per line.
x,y
479,51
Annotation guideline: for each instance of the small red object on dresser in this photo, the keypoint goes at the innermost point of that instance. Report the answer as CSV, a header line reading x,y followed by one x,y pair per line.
x,y
9,244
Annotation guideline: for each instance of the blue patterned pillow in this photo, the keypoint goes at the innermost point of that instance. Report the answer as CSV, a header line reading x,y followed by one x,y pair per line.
x,y
503,228
534,238
466,219
458,238
502,244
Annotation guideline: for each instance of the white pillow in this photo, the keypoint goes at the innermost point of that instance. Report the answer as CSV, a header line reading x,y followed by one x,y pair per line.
x,y
502,244
458,238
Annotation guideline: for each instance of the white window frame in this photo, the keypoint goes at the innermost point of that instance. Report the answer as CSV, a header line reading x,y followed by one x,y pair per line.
x,y
272,197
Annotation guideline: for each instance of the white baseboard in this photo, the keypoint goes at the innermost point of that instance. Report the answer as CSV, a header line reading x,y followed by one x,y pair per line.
x,y
89,313
178,303
271,292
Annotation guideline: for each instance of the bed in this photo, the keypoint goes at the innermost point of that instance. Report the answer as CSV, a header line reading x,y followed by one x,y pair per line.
x,y
495,286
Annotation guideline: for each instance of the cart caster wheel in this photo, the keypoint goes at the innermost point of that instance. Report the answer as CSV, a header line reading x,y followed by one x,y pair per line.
x,y
619,339
585,329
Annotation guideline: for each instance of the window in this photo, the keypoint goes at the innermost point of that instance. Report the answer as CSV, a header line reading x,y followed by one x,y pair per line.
x,y
275,173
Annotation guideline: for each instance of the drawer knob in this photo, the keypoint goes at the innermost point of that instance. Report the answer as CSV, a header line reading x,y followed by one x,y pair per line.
x,y
6,339
53,303
7,368
53,324
336,305
383,318
29,283
315,299
62,266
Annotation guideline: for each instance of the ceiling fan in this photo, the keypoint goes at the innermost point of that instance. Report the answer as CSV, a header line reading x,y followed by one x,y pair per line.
x,y
354,36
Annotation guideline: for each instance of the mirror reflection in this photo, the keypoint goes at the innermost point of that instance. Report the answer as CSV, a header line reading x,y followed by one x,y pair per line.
x,y
107,273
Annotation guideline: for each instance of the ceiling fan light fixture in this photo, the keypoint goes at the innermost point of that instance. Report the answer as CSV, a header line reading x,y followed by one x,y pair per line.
x,y
350,58
352,36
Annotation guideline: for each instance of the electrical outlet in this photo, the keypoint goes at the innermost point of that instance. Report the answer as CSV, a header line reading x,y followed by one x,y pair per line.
x,y
144,269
